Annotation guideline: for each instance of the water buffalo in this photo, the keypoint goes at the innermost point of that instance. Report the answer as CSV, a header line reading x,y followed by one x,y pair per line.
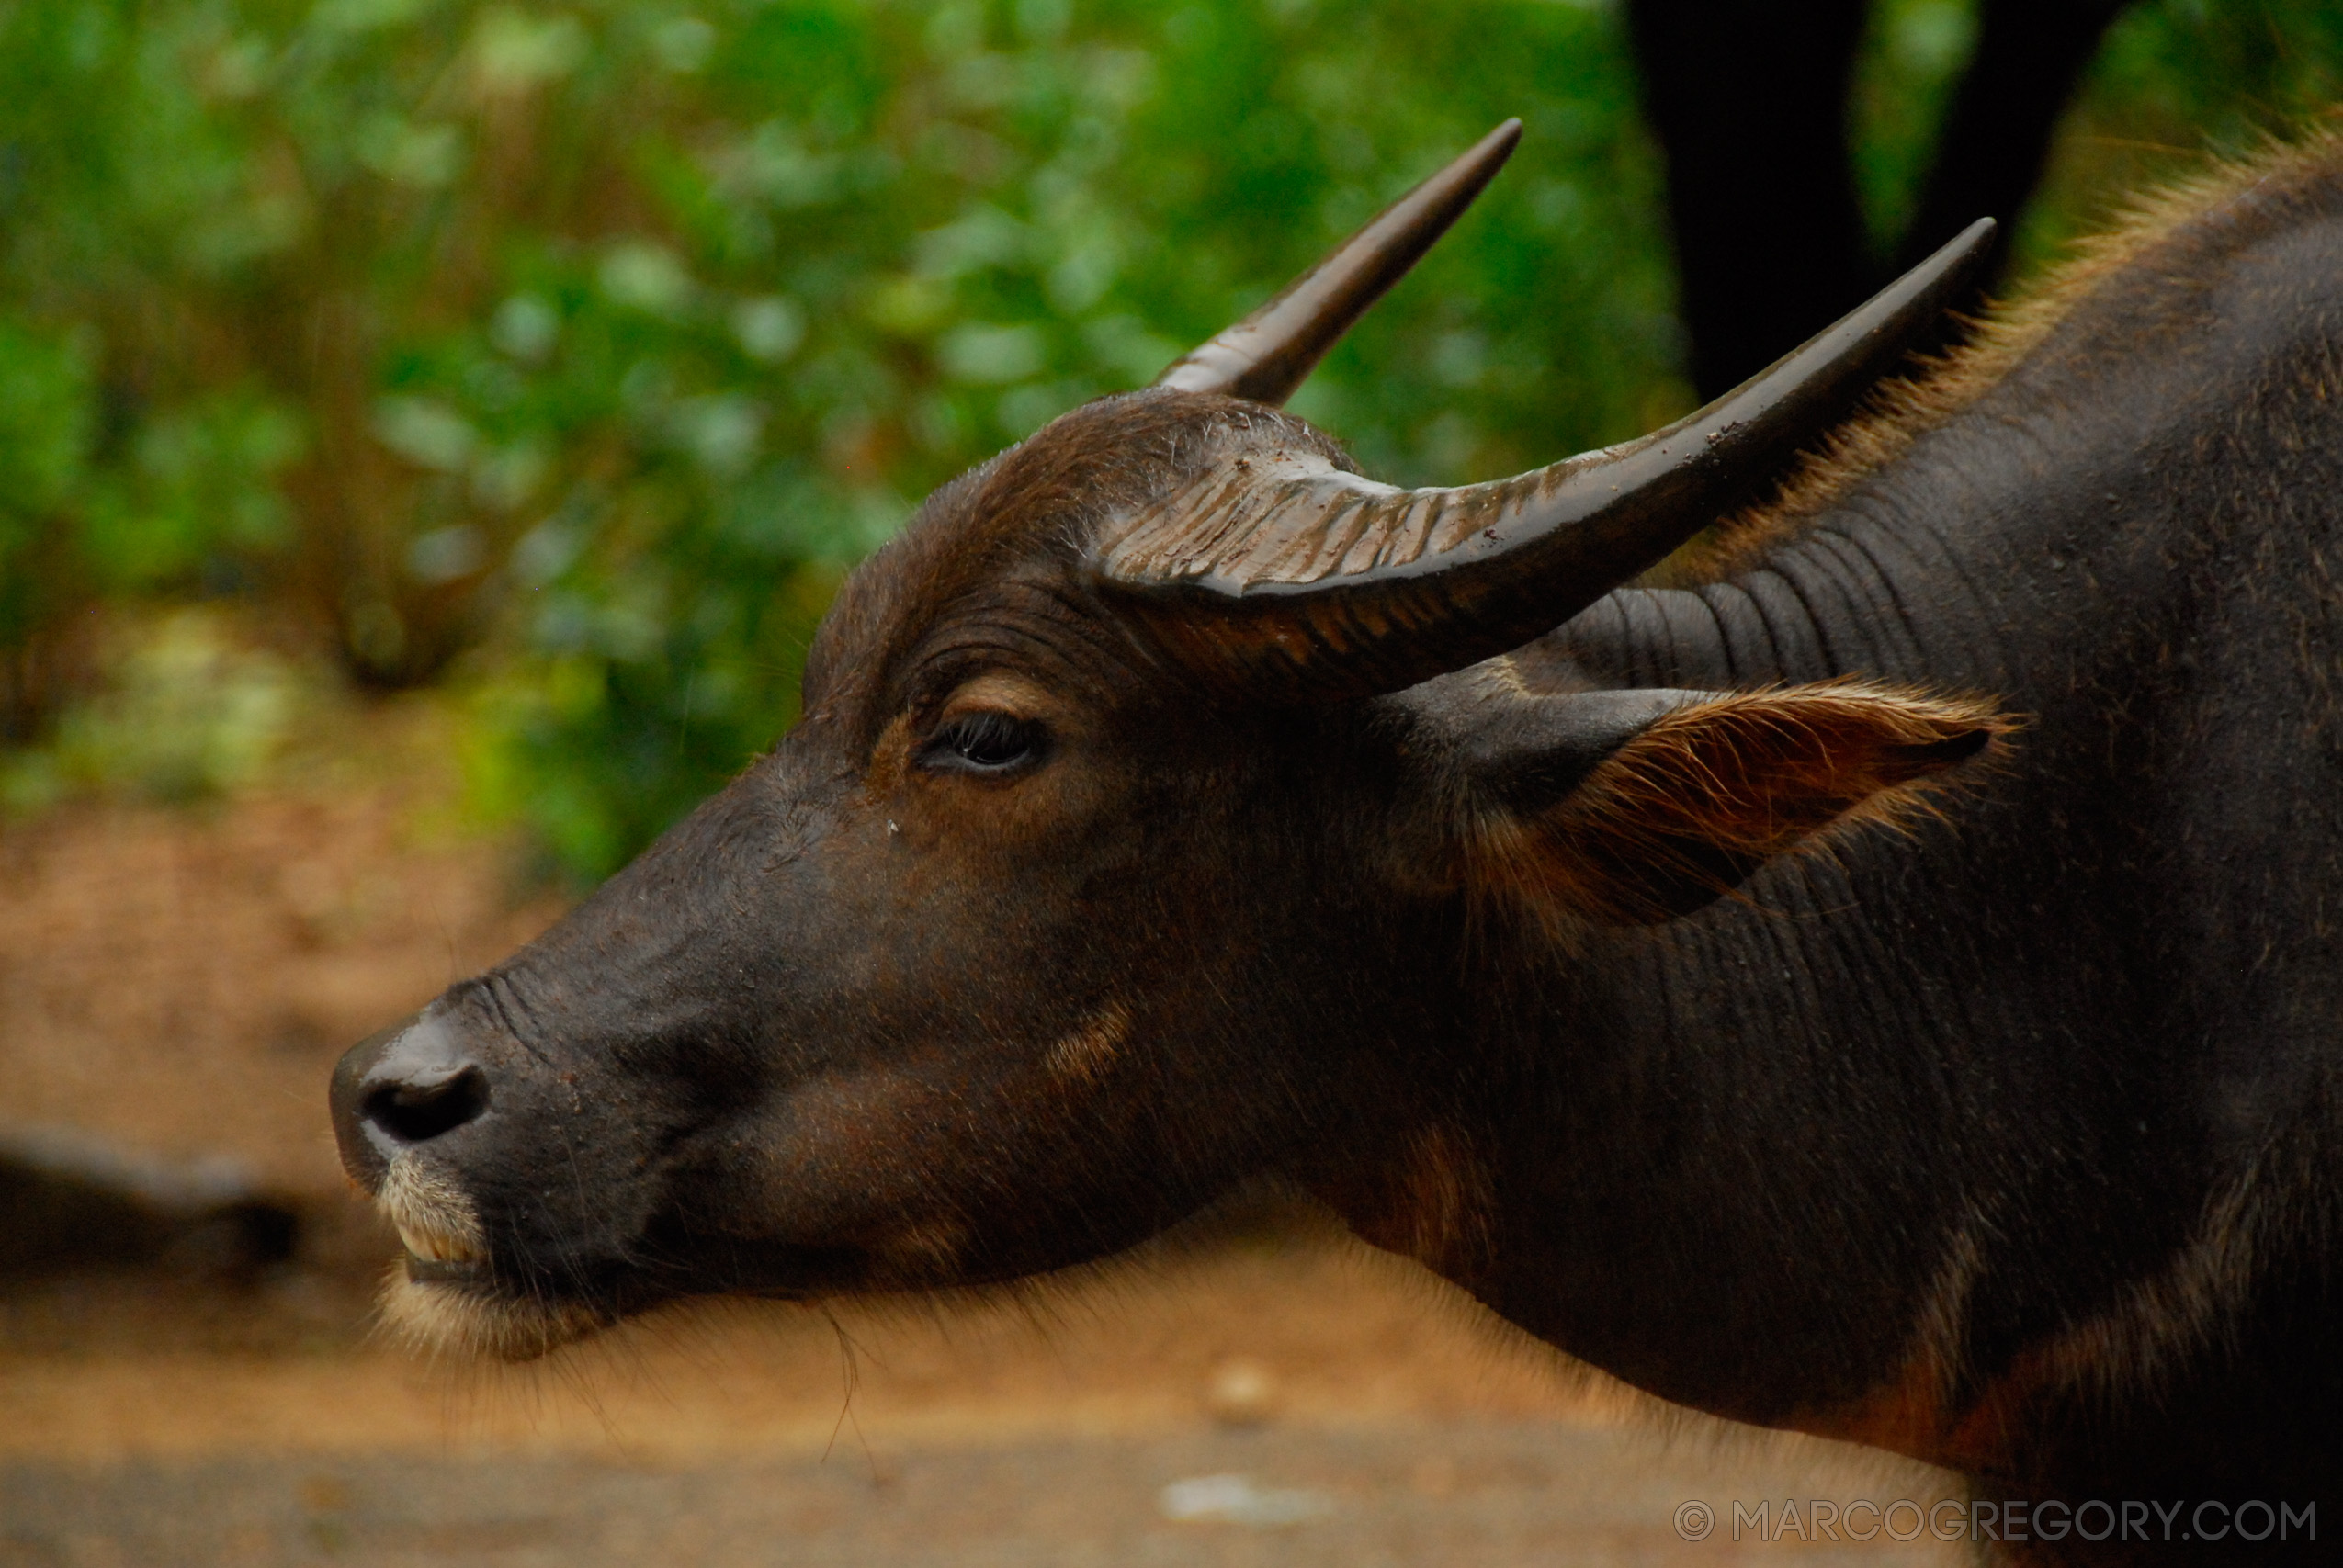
x,y
1883,985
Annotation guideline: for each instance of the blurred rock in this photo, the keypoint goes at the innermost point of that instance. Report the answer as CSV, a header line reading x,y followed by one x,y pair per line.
x,y
71,1200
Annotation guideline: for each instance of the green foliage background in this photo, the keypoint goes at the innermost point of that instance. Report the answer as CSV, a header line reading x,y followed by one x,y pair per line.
x,y
566,354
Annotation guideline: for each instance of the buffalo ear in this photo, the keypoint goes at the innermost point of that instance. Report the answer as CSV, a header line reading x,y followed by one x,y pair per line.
x,y
1635,806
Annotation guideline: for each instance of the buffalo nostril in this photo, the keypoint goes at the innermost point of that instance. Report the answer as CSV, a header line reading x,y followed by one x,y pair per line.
x,y
417,1110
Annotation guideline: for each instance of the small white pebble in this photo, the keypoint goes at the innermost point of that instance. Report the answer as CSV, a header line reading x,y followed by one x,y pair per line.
x,y
1240,1392
1234,1500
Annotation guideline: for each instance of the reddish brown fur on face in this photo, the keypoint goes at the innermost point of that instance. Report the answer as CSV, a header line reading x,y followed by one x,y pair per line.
x,y
1086,1055
1703,795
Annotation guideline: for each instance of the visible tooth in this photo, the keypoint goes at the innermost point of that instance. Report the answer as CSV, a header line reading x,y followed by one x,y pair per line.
x,y
434,1247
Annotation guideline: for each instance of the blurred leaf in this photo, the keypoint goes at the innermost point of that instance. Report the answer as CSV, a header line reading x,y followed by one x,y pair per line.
x,y
186,713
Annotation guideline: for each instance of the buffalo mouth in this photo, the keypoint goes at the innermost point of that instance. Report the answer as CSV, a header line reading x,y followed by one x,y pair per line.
x,y
464,1287
446,1293
439,1272
467,1309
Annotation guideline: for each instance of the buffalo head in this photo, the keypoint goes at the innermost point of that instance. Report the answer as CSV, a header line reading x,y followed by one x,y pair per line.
x,y
1149,787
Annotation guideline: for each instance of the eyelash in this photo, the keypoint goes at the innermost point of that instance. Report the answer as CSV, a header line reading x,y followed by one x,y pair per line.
x,y
987,743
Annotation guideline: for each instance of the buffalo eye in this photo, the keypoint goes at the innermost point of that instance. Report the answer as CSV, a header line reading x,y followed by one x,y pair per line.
x,y
986,742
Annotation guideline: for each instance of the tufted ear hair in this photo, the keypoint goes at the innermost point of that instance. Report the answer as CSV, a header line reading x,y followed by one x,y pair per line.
x,y
1630,807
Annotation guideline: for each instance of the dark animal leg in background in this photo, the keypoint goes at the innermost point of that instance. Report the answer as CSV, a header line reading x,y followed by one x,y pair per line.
x,y
1748,98
1749,102
1996,136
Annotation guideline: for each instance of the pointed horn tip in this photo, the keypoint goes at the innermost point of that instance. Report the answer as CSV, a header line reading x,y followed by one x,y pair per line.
x,y
1964,253
1477,164
1228,363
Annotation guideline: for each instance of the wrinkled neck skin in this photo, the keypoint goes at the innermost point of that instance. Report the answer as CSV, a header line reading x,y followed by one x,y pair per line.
x,y
2000,1124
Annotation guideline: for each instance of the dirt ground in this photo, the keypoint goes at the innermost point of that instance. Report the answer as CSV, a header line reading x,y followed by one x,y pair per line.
x,y
1264,1390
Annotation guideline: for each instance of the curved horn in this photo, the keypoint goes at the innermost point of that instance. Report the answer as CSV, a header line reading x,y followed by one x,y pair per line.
x,y
1282,577
1268,353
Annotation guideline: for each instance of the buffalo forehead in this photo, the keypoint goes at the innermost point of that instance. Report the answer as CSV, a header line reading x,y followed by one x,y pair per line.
x,y
1040,504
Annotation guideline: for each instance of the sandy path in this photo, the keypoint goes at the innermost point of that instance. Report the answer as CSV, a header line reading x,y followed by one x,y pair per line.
x,y
1486,1494
1384,1421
